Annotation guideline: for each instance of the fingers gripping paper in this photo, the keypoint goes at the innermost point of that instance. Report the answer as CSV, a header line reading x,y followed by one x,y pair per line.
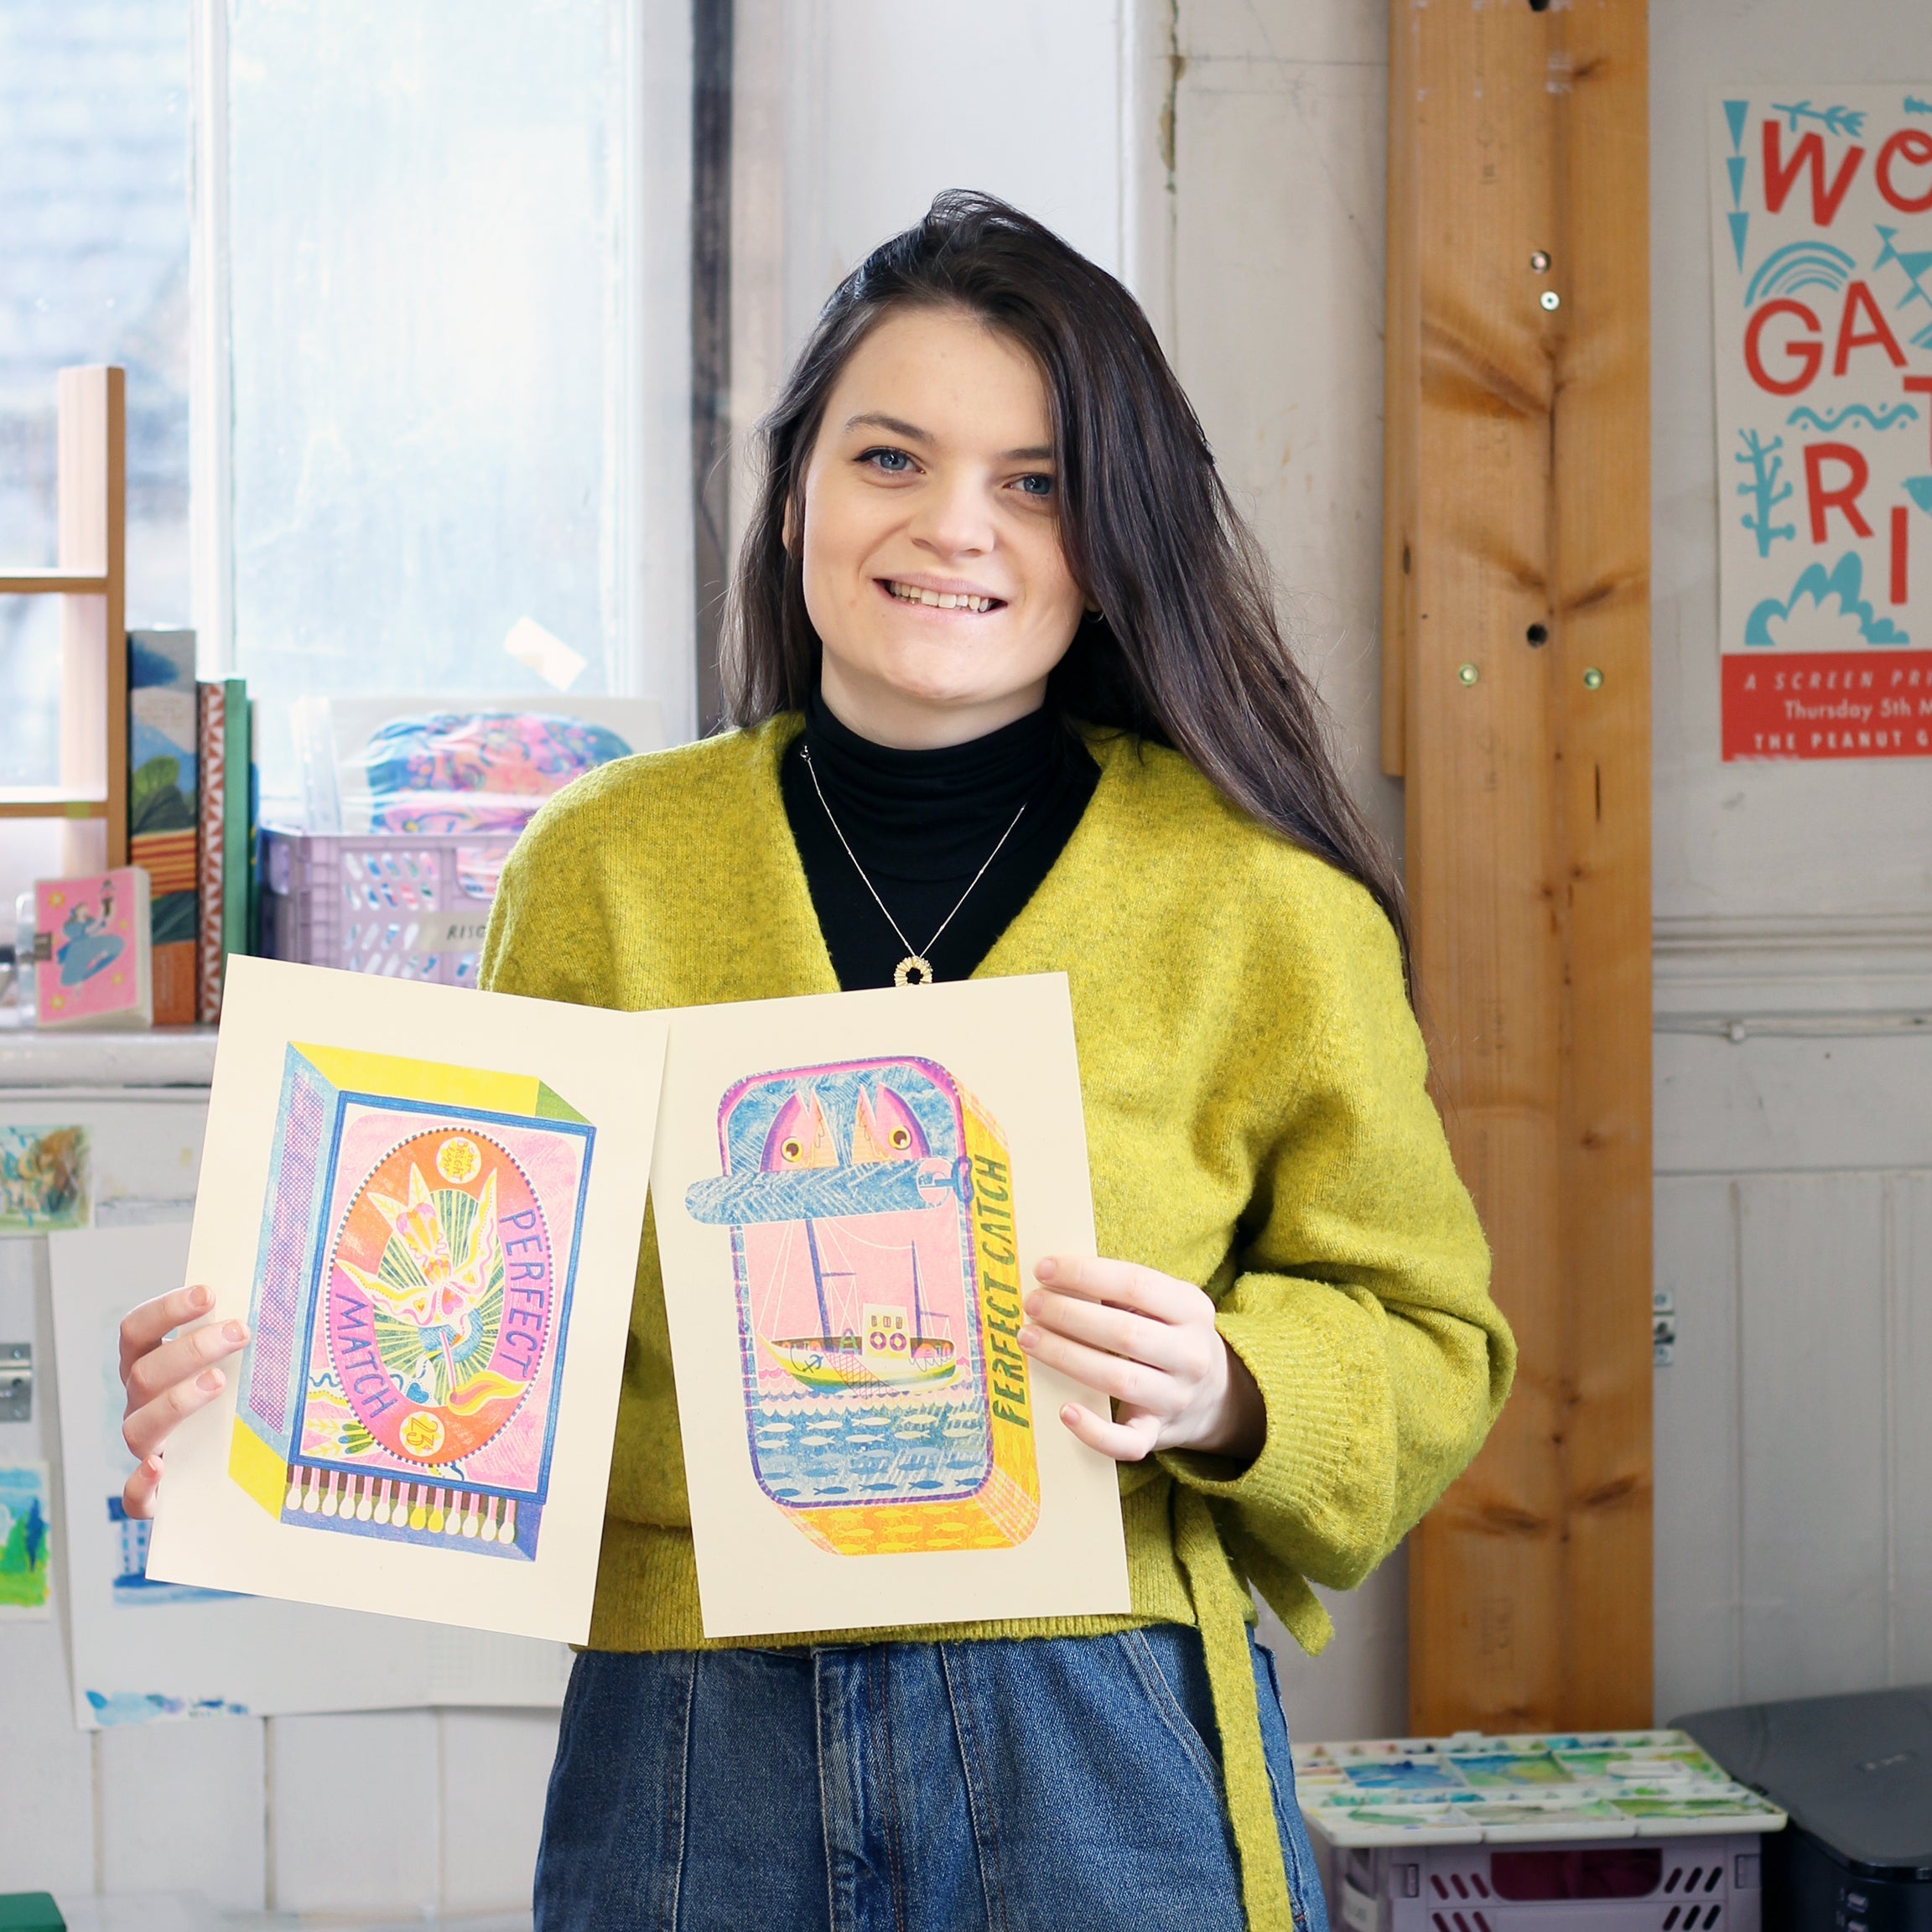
x,y
435,1250
844,1235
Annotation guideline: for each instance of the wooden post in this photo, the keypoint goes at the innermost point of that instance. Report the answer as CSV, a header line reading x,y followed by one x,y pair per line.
x,y
1516,618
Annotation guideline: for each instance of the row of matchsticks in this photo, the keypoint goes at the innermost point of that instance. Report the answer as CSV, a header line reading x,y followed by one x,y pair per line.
x,y
387,1503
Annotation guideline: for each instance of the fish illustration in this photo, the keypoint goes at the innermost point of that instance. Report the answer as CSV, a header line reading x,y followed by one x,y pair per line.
x,y
800,1137
886,1131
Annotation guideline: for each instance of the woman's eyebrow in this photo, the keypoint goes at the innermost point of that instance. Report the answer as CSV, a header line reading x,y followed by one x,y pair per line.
x,y
896,426
910,431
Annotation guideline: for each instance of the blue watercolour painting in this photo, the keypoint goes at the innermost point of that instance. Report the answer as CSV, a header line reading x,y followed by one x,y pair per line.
x,y
26,1539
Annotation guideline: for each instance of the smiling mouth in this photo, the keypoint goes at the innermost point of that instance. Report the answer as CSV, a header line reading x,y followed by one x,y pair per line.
x,y
940,600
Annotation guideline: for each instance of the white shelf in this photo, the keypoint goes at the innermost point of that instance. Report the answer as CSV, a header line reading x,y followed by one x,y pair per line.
x,y
168,1056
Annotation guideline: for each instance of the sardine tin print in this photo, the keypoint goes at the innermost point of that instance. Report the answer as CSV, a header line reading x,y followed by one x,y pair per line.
x,y
411,1301
887,1399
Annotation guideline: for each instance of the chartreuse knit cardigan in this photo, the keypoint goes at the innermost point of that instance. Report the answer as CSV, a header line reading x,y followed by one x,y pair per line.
x,y
1253,1083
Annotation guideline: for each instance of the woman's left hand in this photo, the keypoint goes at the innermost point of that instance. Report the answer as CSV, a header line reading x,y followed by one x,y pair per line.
x,y
1150,1342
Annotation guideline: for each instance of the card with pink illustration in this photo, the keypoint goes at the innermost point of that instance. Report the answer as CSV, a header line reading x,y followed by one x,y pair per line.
x,y
425,1203
852,1191
92,958
412,1296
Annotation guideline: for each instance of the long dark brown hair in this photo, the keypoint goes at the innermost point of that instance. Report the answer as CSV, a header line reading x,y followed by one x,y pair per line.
x,y
1185,651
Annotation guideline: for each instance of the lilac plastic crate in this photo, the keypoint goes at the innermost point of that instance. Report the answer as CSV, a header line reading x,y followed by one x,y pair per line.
x,y
412,905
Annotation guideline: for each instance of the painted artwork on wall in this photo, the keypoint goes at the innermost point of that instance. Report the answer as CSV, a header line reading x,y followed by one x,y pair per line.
x,y
429,1212
850,1190
43,1179
1821,233
26,1539
147,1651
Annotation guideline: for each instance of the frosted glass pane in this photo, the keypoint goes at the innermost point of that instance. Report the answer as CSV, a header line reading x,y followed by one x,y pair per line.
x,y
93,268
423,236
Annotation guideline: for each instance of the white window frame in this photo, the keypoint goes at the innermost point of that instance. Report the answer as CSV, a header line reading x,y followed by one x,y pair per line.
x,y
650,497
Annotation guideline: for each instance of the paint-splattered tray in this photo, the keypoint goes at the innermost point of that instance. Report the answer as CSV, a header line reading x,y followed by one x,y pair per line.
x,y
1471,1789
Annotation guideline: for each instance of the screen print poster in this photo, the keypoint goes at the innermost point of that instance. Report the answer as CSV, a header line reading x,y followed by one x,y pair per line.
x,y
1822,232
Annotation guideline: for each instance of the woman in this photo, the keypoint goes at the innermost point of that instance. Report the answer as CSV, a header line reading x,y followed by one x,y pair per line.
x,y
1011,699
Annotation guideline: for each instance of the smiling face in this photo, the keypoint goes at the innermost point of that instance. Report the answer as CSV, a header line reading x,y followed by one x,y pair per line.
x,y
933,574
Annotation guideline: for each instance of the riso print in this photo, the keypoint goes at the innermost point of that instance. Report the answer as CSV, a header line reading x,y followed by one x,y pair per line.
x,y
411,1301
887,1399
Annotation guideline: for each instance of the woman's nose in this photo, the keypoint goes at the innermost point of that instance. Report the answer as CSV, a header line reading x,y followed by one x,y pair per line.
x,y
954,520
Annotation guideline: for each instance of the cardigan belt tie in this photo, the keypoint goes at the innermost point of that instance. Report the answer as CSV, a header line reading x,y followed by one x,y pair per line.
x,y
1220,1612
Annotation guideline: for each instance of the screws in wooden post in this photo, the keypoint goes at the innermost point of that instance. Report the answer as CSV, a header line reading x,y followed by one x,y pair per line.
x,y
1592,680
1467,674
1538,635
1541,262
1550,299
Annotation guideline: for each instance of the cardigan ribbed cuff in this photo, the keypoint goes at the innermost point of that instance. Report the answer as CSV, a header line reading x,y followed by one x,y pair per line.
x,y
1323,1479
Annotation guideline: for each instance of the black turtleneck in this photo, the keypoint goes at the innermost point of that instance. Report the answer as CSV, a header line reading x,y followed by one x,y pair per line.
x,y
922,823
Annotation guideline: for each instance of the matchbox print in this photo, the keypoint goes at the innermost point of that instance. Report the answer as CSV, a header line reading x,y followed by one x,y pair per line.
x,y
412,1302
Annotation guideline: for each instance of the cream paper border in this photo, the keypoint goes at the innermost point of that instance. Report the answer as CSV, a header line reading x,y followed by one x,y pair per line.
x,y
1010,1042
608,1067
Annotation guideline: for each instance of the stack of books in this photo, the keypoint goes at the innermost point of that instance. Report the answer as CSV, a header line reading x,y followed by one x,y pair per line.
x,y
190,810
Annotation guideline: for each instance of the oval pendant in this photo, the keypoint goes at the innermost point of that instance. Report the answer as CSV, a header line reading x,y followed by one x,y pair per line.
x,y
902,974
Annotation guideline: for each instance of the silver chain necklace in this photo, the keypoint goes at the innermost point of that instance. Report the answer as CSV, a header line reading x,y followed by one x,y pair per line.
x,y
915,961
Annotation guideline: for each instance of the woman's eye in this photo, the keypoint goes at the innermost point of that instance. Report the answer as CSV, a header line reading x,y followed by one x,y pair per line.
x,y
1035,486
893,462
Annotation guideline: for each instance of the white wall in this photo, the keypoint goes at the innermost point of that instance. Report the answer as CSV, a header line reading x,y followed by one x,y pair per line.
x,y
1280,116
849,115
891,100
1793,1049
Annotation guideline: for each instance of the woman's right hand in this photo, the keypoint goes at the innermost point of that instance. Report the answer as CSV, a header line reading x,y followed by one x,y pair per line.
x,y
166,1380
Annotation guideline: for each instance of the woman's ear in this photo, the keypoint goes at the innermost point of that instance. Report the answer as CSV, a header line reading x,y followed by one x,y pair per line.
x,y
788,530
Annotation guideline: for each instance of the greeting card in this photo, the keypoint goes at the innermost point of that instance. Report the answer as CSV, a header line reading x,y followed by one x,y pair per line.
x,y
91,955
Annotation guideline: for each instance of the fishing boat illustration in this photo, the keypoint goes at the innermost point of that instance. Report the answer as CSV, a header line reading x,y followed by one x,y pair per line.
x,y
884,1354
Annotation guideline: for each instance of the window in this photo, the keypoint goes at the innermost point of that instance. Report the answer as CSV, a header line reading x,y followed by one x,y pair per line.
x,y
94,107
426,257
433,291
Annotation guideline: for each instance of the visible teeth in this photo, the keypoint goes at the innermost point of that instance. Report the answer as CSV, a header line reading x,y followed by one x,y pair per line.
x,y
940,600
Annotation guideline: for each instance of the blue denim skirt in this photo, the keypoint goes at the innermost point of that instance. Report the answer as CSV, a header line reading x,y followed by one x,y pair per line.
x,y
1003,1786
